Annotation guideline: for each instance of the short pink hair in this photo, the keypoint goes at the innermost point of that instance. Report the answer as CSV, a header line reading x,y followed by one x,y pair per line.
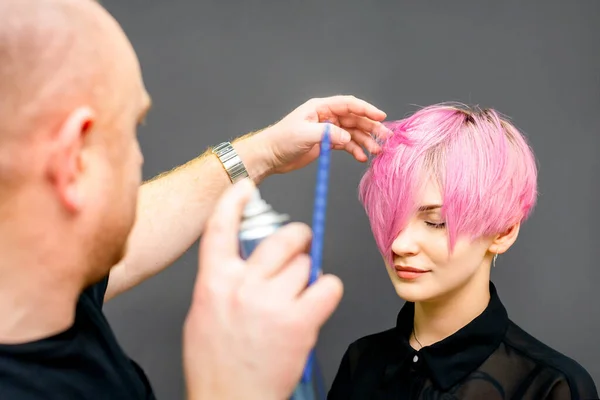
x,y
483,165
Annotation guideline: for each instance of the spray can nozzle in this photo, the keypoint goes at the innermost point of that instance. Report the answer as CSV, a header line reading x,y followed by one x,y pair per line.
x,y
256,205
259,213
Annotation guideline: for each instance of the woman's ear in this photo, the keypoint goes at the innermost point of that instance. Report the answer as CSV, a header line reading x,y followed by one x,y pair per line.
x,y
504,240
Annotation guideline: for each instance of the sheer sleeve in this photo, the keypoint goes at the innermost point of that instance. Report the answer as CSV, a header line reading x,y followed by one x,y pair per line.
x,y
578,387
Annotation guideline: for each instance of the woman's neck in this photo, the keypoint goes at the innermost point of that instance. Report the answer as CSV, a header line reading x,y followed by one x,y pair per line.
x,y
437,319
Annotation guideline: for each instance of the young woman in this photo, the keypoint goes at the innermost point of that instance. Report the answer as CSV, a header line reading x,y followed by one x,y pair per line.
x,y
446,196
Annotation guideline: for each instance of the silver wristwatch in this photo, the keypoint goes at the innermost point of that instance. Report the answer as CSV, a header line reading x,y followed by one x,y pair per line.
x,y
231,161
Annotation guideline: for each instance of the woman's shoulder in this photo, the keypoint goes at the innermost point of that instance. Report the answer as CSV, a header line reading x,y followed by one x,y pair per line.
x,y
374,340
369,352
371,349
568,373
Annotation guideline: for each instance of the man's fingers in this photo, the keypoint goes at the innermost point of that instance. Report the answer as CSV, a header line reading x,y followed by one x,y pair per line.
x,y
219,240
358,139
365,140
356,151
364,124
293,279
358,129
273,253
320,299
345,105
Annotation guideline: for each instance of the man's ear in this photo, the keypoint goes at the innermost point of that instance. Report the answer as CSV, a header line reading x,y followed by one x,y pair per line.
x,y
504,240
67,161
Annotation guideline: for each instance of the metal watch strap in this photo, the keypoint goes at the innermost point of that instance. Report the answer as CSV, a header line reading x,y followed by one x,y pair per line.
x,y
231,161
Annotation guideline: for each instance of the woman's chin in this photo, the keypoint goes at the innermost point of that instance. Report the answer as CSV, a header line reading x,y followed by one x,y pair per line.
x,y
412,293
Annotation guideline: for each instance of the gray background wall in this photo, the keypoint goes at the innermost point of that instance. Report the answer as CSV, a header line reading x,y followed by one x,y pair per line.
x,y
218,69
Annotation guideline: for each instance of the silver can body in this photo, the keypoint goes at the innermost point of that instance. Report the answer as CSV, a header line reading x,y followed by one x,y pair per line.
x,y
258,227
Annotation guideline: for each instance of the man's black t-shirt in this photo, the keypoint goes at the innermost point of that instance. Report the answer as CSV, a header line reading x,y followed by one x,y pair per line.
x,y
83,362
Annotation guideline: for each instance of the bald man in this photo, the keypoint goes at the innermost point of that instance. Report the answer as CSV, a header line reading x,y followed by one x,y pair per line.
x,y
70,171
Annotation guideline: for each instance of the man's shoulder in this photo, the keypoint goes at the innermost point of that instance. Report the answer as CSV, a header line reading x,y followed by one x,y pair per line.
x,y
564,368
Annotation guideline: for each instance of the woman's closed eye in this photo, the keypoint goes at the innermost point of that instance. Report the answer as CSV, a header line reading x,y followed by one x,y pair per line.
x,y
432,216
436,225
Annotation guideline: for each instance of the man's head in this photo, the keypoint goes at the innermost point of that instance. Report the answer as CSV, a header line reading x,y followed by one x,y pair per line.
x,y
70,164
447,193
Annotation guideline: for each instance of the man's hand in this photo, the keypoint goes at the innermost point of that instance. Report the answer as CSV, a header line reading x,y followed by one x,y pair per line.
x,y
252,323
293,142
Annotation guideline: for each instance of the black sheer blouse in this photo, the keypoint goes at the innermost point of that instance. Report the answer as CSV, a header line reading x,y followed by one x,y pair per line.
x,y
490,358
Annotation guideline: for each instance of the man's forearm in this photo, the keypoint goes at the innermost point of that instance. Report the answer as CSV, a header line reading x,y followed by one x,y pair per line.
x,y
172,210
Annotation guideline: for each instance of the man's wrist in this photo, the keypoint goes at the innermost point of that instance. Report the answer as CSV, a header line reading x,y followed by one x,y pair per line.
x,y
255,155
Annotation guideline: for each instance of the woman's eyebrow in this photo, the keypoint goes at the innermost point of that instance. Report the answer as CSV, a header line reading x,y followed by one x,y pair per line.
x,y
429,207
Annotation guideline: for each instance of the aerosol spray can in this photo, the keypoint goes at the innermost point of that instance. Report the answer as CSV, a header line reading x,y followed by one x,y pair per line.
x,y
259,221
